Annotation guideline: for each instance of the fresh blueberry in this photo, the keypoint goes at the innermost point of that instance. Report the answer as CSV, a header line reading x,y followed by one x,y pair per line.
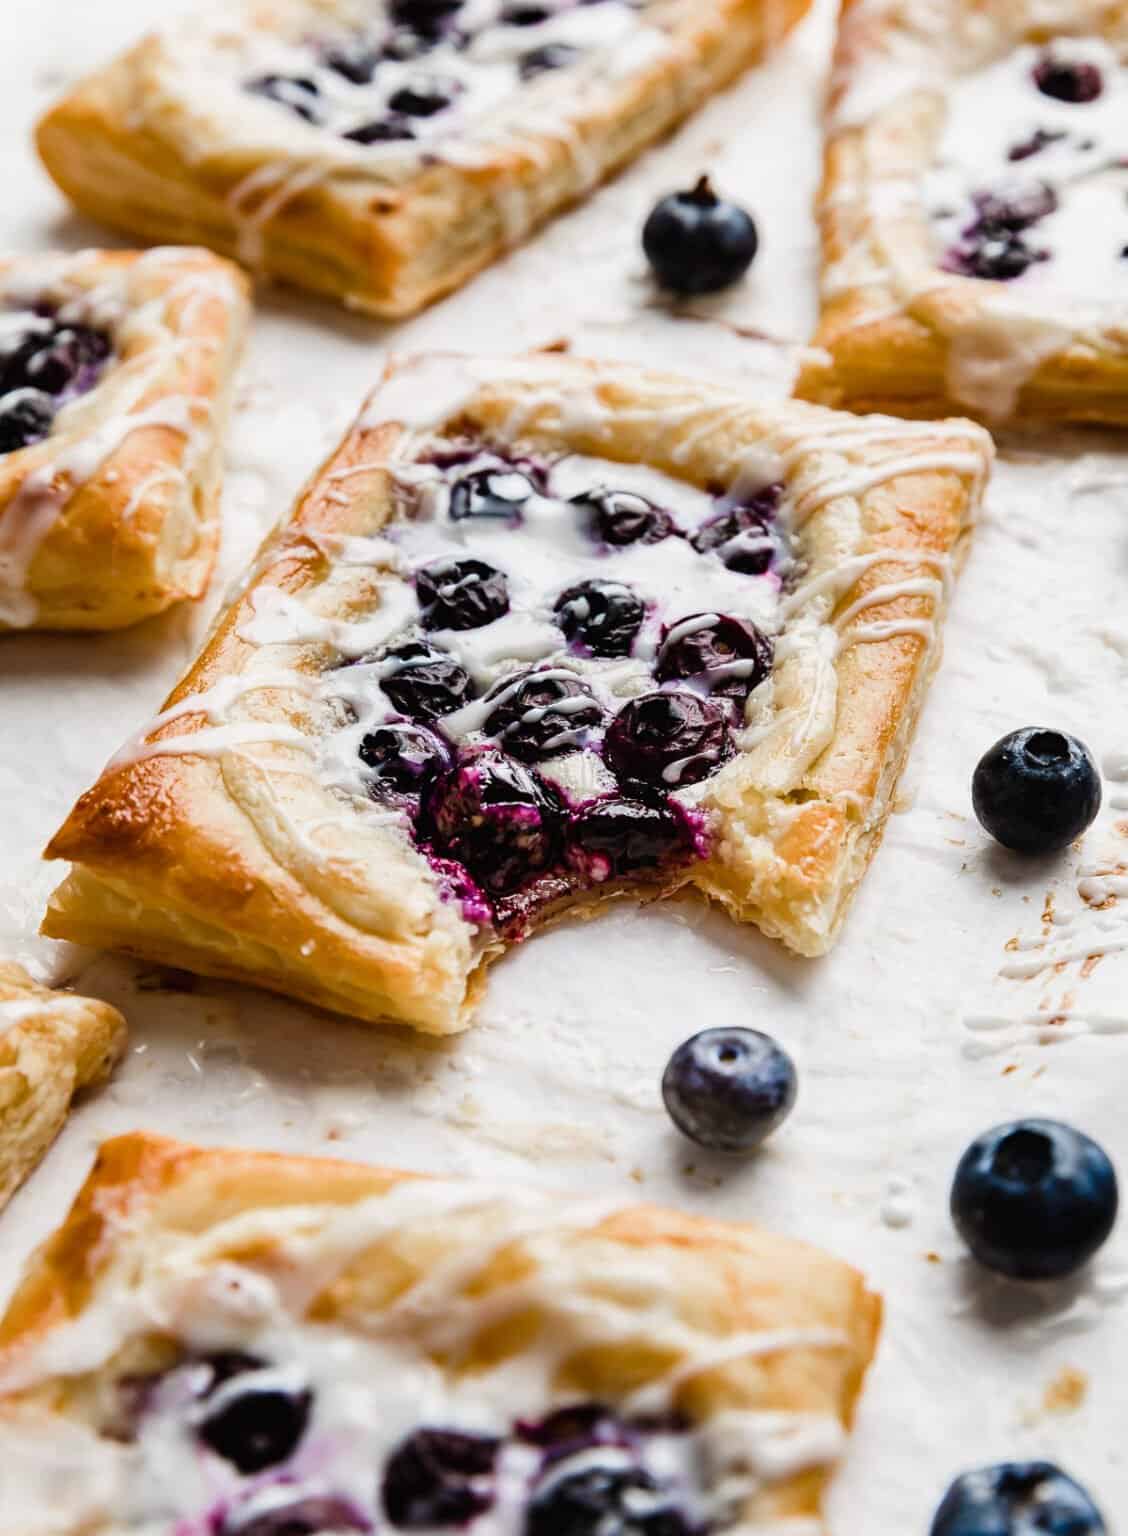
x,y
727,1089
356,62
697,243
605,1501
1034,1199
256,1427
721,654
1036,143
741,535
541,714
422,681
623,837
297,92
600,617
439,1477
1036,790
496,495
381,130
1017,1498
495,818
667,740
461,594
424,97
623,517
402,759
319,1515
1067,80
25,418
549,56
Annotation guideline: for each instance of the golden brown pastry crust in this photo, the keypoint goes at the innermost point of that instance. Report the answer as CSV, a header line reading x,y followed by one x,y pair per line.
x,y
53,1046
129,476
387,238
193,858
895,333
718,1283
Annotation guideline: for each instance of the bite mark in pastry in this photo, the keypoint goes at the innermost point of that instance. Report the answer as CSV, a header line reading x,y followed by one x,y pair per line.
x,y
384,153
116,370
974,212
240,1344
53,1046
541,632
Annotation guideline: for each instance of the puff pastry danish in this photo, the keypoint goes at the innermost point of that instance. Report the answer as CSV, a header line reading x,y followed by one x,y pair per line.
x,y
115,377
383,153
246,1345
974,212
53,1045
541,632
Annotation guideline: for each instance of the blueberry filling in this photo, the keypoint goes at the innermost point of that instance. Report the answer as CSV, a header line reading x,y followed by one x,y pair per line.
x,y
667,740
461,594
424,97
495,494
539,61
605,1501
1067,80
439,1477
297,92
382,130
722,655
255,1427
402,759
620,518
43,364
602,618
995,245
742,535
1039,140
314,1516
423,681
625,837
542,714
495,817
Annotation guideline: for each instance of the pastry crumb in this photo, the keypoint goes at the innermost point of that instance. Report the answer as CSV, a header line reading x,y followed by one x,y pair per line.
x,y
1065,1391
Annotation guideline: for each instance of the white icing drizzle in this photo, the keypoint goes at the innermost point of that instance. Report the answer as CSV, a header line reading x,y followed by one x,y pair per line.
x,y
380,1380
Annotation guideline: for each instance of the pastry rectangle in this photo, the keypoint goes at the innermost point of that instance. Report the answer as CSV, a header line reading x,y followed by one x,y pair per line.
x,y
221,1339
53,1046
361,792
116,373
384,154
975,240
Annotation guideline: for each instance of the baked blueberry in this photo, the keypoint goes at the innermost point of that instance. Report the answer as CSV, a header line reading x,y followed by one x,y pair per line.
x,y
497,495
741,535
426,17
605,1501
667,739
381,130
423,681
1067,80
727,1089
538,61
996,257
1036,790
317,1515
573,1428
26,416
623,517
721,654
1017,1498
623,837
698,243
424,97
69,356
461,594
1015,207
297,92
518,15
494,817
601,618
356,62
1035,143
402,759
439,1477
1034,1199
541,713
256,1427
